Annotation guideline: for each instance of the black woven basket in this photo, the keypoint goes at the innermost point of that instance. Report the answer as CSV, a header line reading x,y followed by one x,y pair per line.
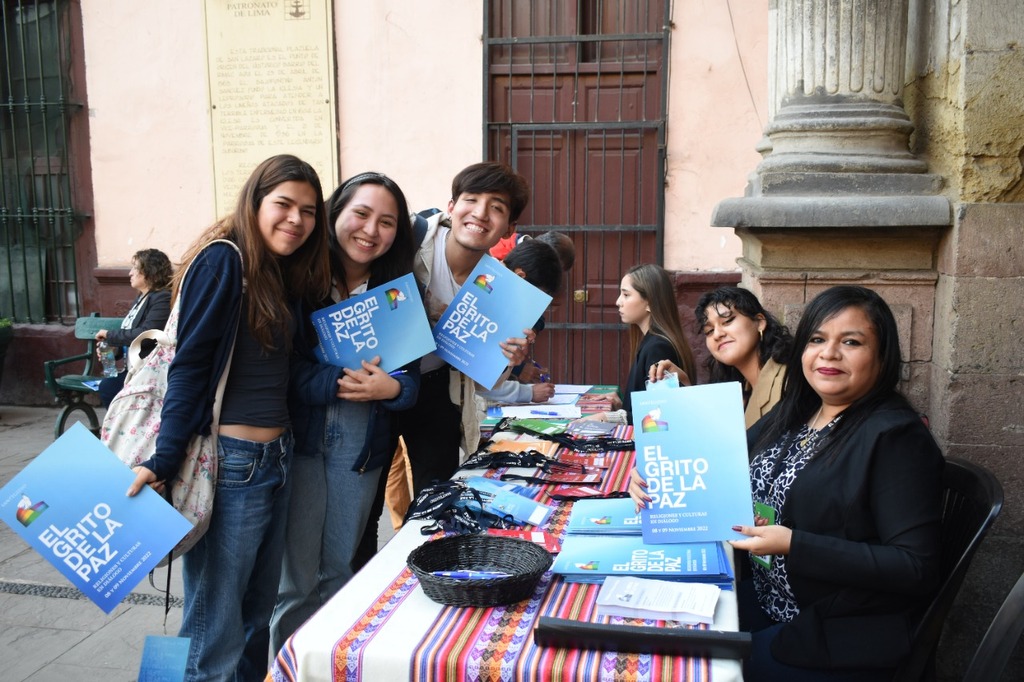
x,y
524,561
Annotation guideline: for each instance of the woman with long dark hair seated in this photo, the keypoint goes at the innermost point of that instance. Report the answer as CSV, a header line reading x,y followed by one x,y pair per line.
x,y
846,480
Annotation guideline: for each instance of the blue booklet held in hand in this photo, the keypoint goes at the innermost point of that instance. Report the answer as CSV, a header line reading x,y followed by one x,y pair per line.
x,y
691,448
69,504
388,321
493,305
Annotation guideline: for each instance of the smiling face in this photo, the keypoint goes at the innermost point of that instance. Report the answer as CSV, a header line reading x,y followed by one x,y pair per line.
x,y
732,337
633,308
841,360
287,216
366,227
480,220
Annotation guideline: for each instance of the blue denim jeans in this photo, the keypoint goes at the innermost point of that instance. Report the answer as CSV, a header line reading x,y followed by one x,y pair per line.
x,y
328,511
231,574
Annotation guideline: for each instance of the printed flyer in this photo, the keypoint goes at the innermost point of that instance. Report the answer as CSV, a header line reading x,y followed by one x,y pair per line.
x,y
493,305
691,448
388,321
69,504
592,558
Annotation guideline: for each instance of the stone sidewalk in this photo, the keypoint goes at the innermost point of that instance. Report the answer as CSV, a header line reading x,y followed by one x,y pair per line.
x,y
50,632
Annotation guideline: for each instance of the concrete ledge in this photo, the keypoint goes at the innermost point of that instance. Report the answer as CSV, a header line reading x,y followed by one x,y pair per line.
x,y
853,212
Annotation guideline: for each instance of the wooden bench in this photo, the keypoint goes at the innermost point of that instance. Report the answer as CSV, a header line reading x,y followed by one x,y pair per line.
x,y
70,390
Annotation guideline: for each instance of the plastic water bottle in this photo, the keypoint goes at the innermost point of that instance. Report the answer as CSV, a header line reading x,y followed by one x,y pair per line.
x,y
109,359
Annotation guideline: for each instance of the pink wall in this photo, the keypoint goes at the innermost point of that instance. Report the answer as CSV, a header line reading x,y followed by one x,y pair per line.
x,y
409,104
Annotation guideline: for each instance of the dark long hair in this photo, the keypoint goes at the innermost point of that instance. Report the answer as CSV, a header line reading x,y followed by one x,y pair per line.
x,y
272,281
775,342
653,284
394,262
800,401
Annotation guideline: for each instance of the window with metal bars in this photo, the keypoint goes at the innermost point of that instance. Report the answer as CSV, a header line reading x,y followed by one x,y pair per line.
x,y
38,223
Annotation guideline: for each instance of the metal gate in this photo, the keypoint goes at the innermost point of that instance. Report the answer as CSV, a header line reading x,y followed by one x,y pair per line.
x,y
575,100
38,225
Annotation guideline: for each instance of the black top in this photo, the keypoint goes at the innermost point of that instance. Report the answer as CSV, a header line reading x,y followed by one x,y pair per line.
x,y
652,348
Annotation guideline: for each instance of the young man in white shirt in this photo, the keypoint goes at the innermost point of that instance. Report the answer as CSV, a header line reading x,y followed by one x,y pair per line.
x,y
487,200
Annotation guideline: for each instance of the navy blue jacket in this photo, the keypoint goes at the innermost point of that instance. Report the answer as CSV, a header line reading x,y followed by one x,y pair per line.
x,y
314,389
211,300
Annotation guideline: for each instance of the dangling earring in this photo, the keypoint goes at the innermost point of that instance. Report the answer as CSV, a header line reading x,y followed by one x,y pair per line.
x,y
760,334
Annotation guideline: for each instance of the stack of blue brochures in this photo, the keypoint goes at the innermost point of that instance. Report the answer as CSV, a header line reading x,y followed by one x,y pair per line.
x,y
616,516
592,558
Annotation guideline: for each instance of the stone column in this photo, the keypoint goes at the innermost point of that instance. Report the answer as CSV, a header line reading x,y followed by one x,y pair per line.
x,y
838,127
838,196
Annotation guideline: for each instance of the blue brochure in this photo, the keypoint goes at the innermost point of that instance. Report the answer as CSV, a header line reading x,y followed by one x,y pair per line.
x,y
388,321
615,516
493,305
691,448
592,558
69,504
501,499
164,659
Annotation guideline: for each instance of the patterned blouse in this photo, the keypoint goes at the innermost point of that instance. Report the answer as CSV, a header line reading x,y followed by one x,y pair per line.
x,y
772,473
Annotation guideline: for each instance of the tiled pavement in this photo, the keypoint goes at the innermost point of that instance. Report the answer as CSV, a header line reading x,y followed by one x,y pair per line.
x,y
49,632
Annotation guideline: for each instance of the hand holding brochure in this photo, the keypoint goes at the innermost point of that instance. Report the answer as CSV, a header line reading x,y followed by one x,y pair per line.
x,y
69,504
630,597
388,321
493,305
691,448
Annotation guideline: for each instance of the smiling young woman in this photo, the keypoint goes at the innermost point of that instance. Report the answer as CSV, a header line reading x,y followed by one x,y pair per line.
x,y
231,575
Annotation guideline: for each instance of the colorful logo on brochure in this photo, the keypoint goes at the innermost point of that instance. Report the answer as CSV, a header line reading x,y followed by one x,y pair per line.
x,y
28,512
653,422
484,282
589,566
394,297
601,520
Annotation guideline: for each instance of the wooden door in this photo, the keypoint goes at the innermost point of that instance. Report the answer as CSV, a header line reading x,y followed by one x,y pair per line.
x,y
575,101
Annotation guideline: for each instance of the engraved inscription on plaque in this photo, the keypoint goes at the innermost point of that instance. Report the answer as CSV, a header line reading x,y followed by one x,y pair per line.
x,y
271,69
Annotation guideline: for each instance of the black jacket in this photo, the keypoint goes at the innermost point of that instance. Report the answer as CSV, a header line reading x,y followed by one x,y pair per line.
x,y
864,557
153,315
651,349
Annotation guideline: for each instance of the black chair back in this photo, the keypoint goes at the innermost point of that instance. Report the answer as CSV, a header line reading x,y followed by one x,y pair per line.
x,y
972,499
1000,639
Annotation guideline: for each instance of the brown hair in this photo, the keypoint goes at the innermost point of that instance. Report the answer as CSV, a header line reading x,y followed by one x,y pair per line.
x,y
652,283
271,281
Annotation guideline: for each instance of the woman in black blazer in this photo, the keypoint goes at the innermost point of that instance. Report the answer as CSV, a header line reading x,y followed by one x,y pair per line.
x,y
846,482
150,276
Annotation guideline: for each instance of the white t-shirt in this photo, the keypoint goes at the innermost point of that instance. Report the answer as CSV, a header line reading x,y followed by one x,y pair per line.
x,y
439,295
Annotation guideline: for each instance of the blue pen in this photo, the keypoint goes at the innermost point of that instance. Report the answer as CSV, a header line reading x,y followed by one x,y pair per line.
x,y
544,378
396,373
544,413
471,575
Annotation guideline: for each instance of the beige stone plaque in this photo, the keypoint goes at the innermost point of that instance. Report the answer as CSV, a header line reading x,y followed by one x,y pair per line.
x,y
271,70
